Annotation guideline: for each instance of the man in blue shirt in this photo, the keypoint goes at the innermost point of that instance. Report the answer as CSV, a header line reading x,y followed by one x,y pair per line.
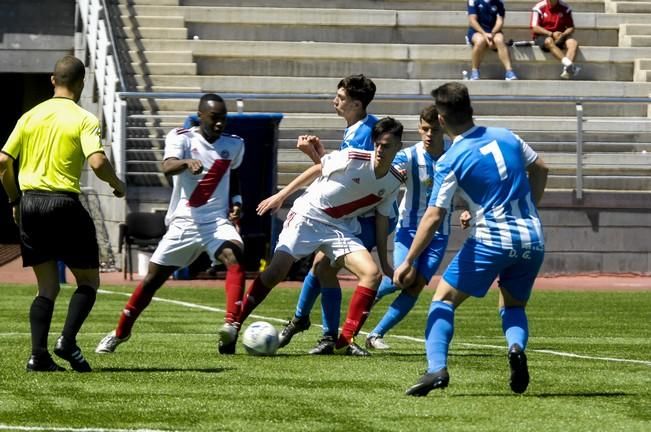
x,y
488,167
418,162
485,19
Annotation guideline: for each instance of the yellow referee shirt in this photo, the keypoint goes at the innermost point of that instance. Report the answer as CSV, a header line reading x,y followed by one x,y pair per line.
x,y
51,142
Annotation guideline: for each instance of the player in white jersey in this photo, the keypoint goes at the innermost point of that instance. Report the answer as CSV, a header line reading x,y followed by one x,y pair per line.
x,y
418,162
350,183
204,162
489,168
354,94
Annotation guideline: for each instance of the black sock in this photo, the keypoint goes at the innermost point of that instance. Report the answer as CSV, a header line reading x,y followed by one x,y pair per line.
x,y
40,317
81,303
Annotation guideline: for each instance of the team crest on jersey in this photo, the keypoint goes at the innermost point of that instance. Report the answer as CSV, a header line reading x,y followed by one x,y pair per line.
x,y
356,180
380,192
224,154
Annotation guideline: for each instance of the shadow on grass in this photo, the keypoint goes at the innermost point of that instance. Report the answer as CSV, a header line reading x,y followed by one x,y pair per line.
x,y
160,369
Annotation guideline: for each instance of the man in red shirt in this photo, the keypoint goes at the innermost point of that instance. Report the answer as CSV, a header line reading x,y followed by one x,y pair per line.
x,y
552,26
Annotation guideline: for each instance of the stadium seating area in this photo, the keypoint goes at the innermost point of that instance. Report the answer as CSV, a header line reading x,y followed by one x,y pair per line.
x,y
408,47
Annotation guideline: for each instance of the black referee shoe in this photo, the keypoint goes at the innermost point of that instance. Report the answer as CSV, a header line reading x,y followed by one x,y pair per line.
x,y
42,363
71,352
428,382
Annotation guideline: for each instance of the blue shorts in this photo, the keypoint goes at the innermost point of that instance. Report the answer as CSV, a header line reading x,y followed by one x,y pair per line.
x,y
471,32
476,265
367,235
429,260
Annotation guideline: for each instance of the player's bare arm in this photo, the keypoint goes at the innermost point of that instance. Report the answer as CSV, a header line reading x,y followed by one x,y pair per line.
x,y
105,172
275,201
174,166
406,273
381,236
537,179
8,180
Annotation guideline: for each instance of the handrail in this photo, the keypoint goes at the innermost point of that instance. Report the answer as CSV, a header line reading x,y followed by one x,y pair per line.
x,y
315,96
113,45
577,100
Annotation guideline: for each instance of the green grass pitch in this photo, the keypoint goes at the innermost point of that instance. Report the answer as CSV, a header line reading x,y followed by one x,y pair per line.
x,y
170,377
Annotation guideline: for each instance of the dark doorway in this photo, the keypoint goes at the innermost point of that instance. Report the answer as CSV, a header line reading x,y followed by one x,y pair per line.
x,y
21,92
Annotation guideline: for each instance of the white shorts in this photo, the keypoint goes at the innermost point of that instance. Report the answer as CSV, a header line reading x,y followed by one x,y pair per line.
x,y
185,241
301,236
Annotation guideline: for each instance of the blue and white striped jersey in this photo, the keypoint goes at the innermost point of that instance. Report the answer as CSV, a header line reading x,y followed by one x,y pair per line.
x,y
419,166
488,166
358,136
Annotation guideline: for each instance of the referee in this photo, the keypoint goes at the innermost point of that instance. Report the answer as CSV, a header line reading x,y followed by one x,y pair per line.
x,y
51,143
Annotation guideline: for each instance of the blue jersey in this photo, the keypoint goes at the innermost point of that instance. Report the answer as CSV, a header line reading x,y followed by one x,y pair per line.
x,y
488,166
358,136
487,12
419,167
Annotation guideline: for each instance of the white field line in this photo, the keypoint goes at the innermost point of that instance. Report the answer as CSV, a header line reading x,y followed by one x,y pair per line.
x,y
69,429
409,338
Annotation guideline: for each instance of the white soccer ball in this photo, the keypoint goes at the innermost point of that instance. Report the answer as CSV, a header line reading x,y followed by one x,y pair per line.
x,y
260,339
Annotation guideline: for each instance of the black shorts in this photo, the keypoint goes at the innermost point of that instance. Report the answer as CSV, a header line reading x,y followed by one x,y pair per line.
x,y
540,41
55,226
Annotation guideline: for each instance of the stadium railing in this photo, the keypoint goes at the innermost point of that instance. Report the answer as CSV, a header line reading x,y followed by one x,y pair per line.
x,y
611,124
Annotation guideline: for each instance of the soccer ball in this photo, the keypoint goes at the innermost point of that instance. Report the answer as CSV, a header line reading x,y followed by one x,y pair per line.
x,y
260,339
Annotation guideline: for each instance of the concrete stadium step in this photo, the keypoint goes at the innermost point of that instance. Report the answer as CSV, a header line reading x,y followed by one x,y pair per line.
x,y
140,32
363,51
160,56
306,59
453,32
154,68
408,107
425,5
620,7
326,86
374,17
135,21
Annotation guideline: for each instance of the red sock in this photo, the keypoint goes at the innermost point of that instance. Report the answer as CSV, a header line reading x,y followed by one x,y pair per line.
x,y
138,301
360,305
234,291
254,296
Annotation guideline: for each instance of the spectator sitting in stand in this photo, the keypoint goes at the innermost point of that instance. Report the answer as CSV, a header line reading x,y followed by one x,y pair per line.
x,y
486,18
552,26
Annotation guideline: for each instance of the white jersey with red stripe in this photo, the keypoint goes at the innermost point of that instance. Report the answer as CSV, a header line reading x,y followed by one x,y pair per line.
x,y
348,188
203,197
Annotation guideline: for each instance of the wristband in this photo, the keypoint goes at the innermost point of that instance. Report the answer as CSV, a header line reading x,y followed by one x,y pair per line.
x,y
237,200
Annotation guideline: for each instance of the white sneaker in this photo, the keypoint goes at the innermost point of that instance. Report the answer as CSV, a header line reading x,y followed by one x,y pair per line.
x,y
227,338
376,342
109,343
566,73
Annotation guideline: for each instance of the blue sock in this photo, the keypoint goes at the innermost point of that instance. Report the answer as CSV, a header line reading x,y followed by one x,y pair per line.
x,y
438,335
396,312
515,326
330,311
309,293
386,287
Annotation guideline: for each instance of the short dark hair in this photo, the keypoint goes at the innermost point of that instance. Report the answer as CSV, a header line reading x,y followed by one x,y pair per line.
x,y
453,102
387,125
209,97
430,114
358,87
68,71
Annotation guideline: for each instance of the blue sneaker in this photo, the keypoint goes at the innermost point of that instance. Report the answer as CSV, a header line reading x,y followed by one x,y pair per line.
x,y
474,74
510,76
